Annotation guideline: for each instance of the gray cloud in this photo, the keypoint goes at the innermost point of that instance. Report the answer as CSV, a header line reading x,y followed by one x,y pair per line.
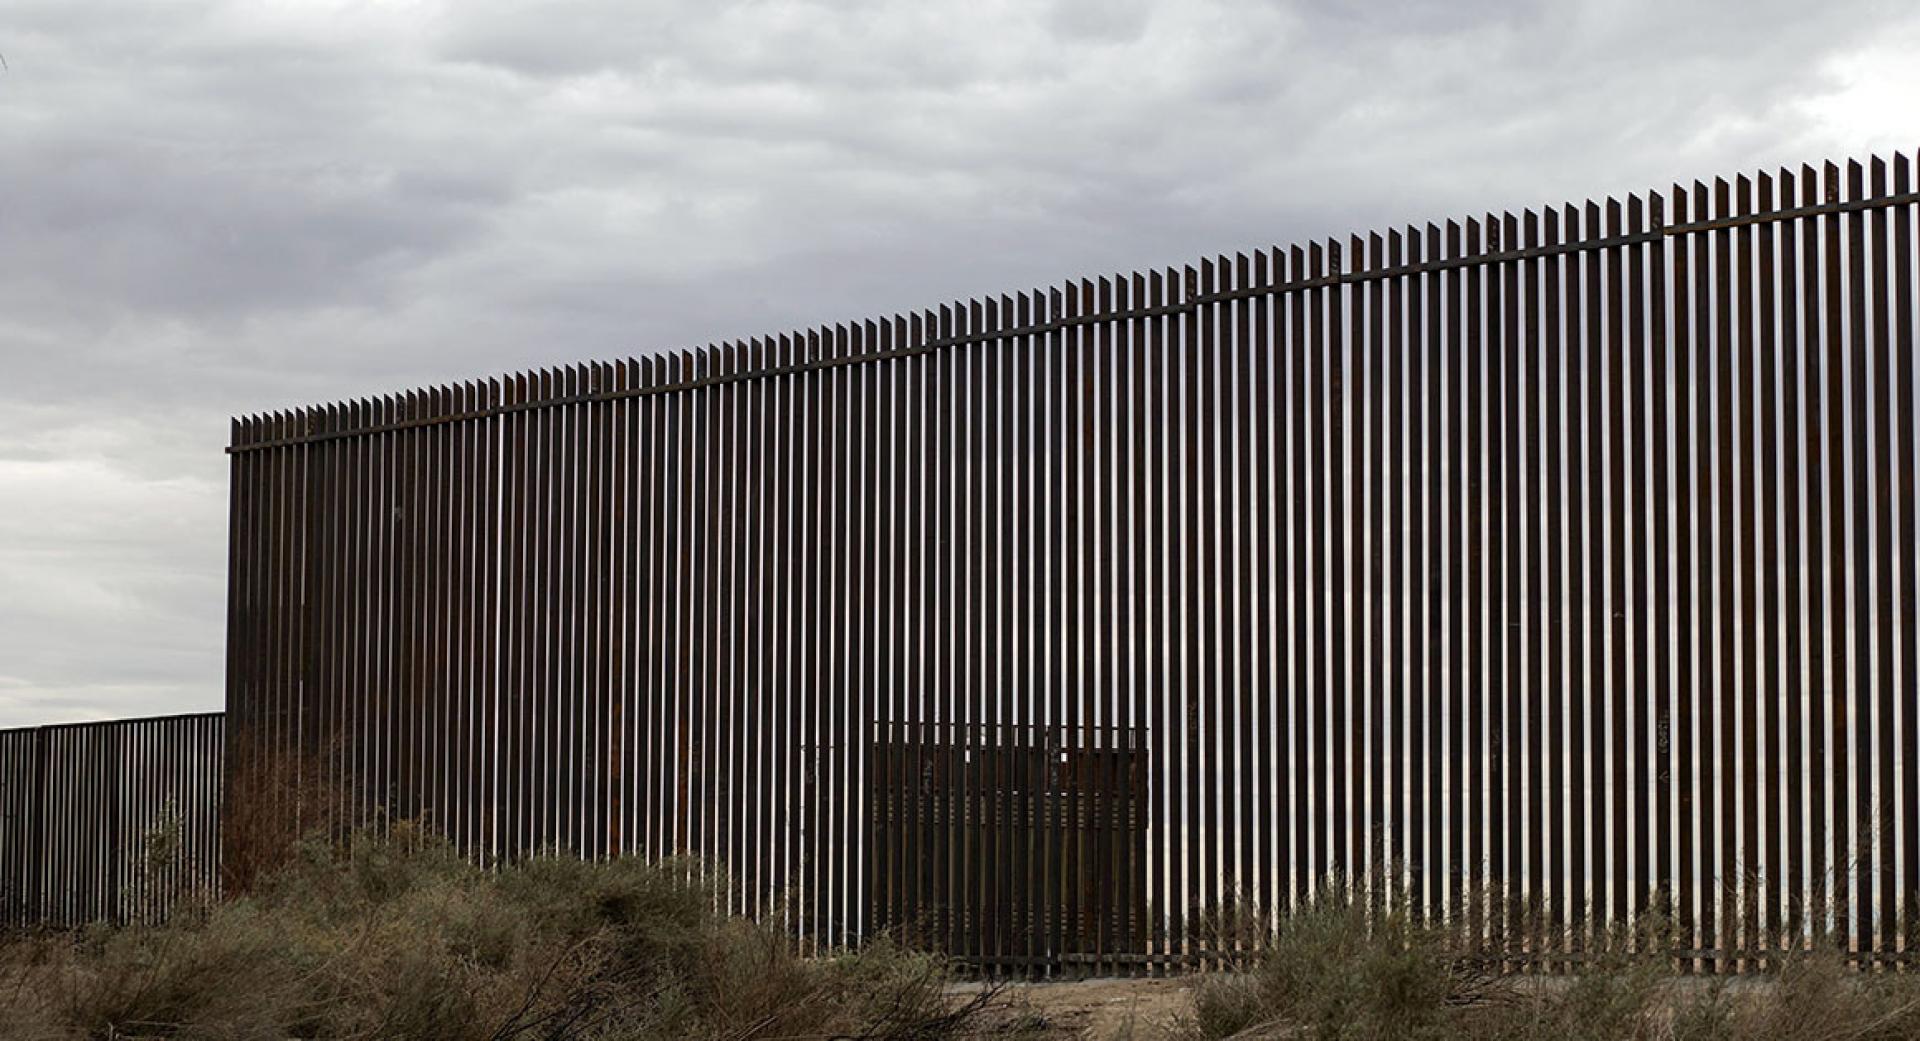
x,y
208,209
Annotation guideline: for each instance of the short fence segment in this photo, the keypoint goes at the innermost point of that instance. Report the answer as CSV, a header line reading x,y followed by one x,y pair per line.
x,y
1544,569
115,821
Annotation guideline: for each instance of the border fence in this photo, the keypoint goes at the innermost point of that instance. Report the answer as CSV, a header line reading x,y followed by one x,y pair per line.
x,y
115,821
1551,568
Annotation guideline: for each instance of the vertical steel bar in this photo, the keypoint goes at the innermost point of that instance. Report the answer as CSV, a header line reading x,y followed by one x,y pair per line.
x,y
1641,732
1530,884
1580,689
1906,459
1661,498
1886,924
1747,764
1373,376
1764,843
1794,687
1861,565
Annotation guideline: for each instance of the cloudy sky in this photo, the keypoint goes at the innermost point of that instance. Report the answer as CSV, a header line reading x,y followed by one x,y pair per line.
x,y
209,209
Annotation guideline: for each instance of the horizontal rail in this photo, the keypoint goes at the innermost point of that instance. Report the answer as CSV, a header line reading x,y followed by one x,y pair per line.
x,y
1193,300
126,722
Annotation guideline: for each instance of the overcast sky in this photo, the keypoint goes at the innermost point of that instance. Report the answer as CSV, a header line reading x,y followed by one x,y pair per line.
x,y
209,209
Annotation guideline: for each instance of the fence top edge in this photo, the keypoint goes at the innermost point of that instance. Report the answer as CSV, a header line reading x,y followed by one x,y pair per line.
x,y
701,367
171,717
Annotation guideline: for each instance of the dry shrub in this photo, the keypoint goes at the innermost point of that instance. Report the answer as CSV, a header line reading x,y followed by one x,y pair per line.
x,y
27,1011
274,799
1338,969
1343,968
399,938
1815,997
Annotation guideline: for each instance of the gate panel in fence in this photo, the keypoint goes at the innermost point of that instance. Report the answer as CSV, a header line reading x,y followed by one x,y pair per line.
x,y
987,839
1554,566
115,821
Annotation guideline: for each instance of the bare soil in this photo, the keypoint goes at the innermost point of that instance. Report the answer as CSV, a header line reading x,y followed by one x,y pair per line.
x,y
1137,1009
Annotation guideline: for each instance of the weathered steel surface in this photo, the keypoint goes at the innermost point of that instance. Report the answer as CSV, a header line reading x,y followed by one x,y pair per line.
x,y
1555,566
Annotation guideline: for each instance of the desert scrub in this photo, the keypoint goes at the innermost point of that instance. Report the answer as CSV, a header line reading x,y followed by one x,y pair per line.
x,y
1338,971
398,938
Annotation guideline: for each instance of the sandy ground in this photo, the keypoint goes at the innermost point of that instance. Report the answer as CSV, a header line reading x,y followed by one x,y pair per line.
x,y
1138,1009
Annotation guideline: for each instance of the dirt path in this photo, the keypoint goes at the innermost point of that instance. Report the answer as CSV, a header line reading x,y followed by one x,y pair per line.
x,y
1137,1009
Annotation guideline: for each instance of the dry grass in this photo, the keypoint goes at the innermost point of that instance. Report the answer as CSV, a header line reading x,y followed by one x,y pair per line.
x,y
1339,971
400,939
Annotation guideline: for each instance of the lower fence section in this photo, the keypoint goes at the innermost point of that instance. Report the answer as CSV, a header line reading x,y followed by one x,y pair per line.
x,y
1014,848
115,821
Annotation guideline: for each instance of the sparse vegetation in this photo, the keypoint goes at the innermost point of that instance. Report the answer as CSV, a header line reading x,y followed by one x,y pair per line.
x,y
1333,972
398,938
